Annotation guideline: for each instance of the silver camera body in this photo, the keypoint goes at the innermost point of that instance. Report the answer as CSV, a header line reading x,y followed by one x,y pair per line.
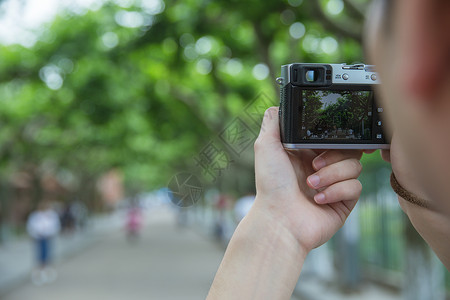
x,y
330,106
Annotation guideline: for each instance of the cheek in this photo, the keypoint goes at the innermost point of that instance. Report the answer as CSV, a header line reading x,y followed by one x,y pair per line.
x,y
424,133
423,129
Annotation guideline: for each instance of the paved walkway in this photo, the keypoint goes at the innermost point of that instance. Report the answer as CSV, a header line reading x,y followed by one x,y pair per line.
x,y
17,257
168,262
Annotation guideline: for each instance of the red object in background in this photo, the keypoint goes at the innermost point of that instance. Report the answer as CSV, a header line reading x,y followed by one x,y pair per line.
x,y
222,203
134,220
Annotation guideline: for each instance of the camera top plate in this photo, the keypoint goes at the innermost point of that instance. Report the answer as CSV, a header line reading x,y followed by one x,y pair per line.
x,y
326,75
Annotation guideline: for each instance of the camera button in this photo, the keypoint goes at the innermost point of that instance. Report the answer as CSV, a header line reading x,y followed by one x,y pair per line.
x,y
380,109
373,77
345,76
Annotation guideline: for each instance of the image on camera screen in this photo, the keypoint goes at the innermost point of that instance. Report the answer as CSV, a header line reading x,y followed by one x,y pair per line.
x,y
336,115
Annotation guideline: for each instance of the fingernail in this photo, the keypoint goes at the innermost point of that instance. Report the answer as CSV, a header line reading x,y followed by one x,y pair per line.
x,y
319,163
319,198
314,180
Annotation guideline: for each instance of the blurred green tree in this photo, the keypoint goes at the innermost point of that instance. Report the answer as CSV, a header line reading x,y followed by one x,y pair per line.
x,y
143,85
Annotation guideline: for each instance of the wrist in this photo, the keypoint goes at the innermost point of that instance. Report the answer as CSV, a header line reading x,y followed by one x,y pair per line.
x,y
268,230
262,261
268,259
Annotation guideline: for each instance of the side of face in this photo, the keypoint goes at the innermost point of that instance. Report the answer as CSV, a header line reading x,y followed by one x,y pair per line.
x,y
412,53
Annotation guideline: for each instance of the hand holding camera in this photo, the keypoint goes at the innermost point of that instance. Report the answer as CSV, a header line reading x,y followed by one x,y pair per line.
x,y
309,192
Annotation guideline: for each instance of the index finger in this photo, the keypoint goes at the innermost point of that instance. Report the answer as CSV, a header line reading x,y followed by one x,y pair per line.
x,y
333,156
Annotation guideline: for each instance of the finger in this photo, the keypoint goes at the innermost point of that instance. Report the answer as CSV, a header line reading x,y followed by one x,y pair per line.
x,y
268,141
271,160
270,129
330,157
340,171
386,155
342,191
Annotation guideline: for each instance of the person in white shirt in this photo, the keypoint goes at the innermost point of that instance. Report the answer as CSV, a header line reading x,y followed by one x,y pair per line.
x,y
43,225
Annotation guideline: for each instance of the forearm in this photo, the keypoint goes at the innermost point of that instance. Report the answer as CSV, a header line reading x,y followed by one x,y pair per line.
x,y
262,261
433,226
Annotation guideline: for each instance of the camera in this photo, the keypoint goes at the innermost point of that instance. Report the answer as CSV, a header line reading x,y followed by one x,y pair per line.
x,y
330,106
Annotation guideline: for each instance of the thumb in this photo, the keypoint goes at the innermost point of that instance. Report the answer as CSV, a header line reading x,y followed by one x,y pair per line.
x,y
271,160
270,129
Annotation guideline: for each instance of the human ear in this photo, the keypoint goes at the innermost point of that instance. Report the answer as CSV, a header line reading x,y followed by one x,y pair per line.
x,y
422,28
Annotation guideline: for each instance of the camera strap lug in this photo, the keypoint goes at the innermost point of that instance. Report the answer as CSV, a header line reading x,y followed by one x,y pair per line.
x,y
280,80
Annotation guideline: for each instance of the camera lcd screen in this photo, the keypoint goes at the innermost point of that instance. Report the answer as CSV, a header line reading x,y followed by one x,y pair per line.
x,y
336,115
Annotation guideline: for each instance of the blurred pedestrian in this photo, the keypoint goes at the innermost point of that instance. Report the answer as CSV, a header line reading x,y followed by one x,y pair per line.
x,y
221,207
80,213
43,225
67,219
133,223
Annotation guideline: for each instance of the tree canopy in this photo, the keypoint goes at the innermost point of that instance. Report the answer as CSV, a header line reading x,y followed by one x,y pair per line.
x,y
144,85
